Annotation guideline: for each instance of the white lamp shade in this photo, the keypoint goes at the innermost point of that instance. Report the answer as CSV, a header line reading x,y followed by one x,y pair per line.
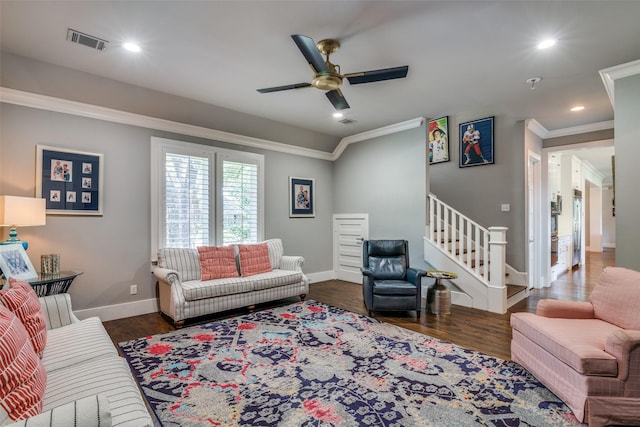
x,y
22,211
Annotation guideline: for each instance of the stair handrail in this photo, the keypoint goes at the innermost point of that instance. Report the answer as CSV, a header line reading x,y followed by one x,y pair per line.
x,y
460,237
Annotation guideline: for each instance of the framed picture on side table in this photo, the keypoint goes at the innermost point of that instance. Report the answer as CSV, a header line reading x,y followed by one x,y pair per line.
x,y
301,198
15,263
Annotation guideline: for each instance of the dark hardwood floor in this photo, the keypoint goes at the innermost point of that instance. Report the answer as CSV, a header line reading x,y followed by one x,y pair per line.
x,y
478,330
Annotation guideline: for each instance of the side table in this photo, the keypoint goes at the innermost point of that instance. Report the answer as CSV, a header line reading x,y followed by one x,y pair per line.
x,y
438,295
54,283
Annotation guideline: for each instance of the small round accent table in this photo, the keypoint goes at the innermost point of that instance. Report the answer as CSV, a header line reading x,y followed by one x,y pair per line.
x,y
53,283
438,295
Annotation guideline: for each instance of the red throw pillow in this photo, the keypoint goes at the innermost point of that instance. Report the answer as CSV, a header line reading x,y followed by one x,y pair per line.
x,y
21,299
217,262
23,376
254,259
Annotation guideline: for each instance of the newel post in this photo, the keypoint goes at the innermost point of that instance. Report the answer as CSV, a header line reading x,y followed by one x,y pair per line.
x,y
497,298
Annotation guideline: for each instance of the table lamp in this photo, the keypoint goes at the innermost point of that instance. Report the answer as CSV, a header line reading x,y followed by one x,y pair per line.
x,y
21,211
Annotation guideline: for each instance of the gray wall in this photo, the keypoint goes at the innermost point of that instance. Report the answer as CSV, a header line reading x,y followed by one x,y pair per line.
x,y
479,191
114,250
627,139
39,77
385,178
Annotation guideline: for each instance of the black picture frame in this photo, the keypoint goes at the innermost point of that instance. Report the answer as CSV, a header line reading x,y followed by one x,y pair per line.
x,y
301,197
476,143
69,180
438,140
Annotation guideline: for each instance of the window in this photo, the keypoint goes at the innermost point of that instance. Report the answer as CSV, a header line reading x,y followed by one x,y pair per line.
x,y
202,195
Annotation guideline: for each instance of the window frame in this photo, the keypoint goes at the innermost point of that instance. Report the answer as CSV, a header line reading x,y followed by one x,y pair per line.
x,y
216,155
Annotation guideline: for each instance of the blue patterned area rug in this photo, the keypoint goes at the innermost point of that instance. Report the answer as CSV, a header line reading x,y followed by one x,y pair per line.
x,y
309,364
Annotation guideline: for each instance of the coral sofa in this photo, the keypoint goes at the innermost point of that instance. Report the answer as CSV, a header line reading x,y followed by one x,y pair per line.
x,y
588,353
80,379
186,293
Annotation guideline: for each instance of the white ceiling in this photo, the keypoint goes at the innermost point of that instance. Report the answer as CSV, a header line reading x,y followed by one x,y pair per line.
x,y
462,56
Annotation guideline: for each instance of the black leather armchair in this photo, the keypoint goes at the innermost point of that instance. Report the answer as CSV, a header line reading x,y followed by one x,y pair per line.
x,y
388,283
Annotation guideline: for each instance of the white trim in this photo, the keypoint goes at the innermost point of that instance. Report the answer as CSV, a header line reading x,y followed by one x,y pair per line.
x,y
59,105
120,311
592,127
534,126
137,308
49,103
386,130
42,102
611,74
321,276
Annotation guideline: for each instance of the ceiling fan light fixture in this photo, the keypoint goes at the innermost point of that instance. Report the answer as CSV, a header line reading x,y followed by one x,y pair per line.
x,y
327,81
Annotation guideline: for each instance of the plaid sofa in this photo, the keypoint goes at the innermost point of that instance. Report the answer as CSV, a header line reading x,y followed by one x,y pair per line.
x,y
88,383
184,296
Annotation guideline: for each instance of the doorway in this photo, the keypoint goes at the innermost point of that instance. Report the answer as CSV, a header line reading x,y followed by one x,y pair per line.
x,y
534,226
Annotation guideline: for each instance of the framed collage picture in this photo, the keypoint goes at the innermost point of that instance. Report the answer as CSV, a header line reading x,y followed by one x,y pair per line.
x,y
438,139
301,198
69,180
476,143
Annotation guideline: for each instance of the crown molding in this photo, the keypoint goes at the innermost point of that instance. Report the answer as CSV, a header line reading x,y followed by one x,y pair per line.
x,y
65,106
534,126
611,74
386,130
42,102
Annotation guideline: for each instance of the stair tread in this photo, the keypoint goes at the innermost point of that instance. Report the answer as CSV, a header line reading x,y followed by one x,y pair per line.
x,y
514,289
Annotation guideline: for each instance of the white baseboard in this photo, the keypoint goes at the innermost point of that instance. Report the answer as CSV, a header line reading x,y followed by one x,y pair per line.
x,y
136,308
609,245
321,276
119,311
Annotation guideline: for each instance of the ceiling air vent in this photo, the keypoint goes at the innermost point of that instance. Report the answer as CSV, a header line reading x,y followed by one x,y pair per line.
x,y
347,121
86,40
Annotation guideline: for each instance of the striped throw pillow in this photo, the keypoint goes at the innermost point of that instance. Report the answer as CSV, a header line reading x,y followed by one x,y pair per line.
x,y
23,375
217,262
254,259
21,299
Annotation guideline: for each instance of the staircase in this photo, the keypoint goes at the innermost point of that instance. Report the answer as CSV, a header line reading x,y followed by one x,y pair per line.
x,y
455,243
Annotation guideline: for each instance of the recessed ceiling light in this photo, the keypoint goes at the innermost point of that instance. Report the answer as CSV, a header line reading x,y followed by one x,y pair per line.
x,y
545,44
131,47
577,108
338,115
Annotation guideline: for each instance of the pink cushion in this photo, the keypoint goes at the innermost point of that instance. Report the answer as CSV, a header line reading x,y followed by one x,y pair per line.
x,y
579,343
254,259
23,376
217,262
21,299
616,297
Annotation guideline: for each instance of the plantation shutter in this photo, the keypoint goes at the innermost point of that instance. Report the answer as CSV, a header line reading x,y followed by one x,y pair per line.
x,y
187,204
239,202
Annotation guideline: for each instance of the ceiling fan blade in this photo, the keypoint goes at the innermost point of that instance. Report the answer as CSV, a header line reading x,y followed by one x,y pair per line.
x,y
377,75
287,87
310,52
337,99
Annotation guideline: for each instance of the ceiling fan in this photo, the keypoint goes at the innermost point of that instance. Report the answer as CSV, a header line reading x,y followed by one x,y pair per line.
x,y
327,75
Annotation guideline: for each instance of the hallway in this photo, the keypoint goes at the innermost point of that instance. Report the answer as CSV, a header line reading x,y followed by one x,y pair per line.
x,y
575,285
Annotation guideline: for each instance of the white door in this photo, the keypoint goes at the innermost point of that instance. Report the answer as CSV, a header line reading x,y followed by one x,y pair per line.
x,y
349,231
534,221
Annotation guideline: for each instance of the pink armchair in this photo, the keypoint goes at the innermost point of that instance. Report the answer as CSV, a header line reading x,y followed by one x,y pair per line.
x,y
588,353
